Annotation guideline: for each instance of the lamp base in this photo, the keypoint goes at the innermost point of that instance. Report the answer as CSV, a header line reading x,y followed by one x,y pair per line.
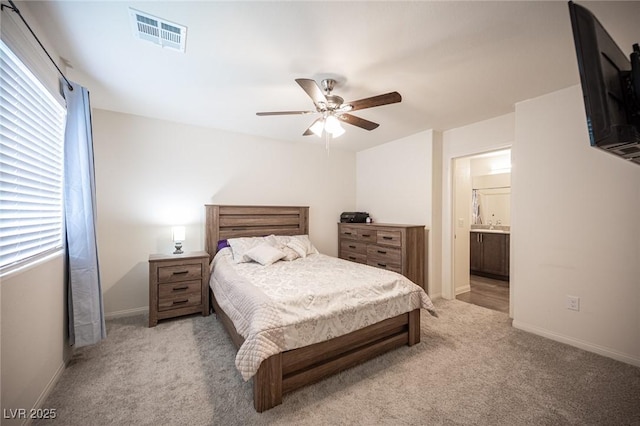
x,y
178,248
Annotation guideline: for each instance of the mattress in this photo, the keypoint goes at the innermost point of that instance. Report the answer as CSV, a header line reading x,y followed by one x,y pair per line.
x,y
291,304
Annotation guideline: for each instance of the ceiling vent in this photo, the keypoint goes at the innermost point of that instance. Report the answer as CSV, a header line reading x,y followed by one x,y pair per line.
x,y
158,31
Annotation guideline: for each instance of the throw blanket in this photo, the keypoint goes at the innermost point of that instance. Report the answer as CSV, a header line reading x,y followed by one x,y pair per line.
x,y
288,305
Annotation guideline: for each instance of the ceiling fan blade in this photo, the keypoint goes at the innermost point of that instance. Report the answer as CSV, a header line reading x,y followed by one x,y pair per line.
x,y
309,132
314,92
374,101
357,121
285,113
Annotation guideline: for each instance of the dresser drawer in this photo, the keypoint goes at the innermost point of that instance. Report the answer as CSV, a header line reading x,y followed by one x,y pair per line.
x,y
353,246
387,255
392,238
384,265
354,256
179,295
168,274
358,234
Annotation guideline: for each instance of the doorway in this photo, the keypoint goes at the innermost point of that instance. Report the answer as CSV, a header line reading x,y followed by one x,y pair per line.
x,y
482,229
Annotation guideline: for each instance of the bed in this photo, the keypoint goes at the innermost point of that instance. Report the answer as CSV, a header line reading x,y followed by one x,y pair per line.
x,y
287,370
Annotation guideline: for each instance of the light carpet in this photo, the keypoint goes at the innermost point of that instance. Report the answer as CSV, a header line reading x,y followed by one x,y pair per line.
x,y
471,367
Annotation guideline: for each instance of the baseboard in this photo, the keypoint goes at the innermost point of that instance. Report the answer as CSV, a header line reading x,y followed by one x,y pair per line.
x,y
587,346
47,390
434,296
465,289
126,313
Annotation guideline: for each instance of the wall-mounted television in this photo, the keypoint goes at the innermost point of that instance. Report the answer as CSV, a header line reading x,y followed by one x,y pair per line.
x,y
610,86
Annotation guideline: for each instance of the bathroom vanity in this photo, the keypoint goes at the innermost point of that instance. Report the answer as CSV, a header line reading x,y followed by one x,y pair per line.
x,y
489,252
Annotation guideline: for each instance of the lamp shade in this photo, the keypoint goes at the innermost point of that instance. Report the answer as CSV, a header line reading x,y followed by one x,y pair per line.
x,y
317,128
178,233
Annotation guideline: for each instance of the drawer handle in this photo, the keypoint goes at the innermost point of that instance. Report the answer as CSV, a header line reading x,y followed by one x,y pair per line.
x,y
180,272
382,265
347,233
180,302
180,288
387,238
352,258
366,235
382,252
352,247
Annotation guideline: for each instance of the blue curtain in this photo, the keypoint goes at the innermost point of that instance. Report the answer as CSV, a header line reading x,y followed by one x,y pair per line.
x,y
86,312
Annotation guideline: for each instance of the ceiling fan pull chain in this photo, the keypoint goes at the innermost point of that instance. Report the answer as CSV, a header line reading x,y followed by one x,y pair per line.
x,y
327,143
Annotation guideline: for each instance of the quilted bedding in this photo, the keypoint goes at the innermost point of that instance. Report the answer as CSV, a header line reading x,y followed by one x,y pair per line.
x,y
288,305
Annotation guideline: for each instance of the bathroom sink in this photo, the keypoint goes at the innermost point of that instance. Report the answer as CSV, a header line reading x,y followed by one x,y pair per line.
x,y
491,231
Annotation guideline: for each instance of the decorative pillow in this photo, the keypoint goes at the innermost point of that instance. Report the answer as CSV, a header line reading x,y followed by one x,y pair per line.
x,y
240,246
279,243
222,244
297,246
306,242
265,254
290,254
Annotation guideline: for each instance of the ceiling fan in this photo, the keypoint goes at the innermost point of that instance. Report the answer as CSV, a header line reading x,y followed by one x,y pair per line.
x,y
334,110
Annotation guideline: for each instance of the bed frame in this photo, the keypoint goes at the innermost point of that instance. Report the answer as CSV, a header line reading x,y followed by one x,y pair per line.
x,y
290,370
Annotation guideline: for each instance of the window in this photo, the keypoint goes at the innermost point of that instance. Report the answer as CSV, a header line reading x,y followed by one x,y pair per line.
x,y
31,165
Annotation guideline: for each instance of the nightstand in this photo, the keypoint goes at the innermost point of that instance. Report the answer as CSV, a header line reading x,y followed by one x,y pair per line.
x,y
178,285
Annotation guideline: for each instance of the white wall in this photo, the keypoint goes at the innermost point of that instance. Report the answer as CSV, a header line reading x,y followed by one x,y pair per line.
x,y
152,174
394,184
34,334
485,136
575,231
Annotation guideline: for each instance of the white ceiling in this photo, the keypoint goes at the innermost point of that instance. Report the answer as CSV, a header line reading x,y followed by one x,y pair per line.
x,y
454,63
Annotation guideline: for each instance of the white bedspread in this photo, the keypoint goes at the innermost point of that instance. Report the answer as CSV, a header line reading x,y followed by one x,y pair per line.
x,y
289,305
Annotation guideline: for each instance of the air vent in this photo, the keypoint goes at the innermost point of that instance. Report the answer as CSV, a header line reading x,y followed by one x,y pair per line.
x,y
158,31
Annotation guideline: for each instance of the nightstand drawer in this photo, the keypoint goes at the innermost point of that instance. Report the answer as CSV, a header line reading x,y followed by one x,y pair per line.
x,y
179,295
353,246
392,238
171,290
168,274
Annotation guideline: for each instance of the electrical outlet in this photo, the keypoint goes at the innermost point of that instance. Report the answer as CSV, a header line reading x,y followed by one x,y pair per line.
x,y
573,303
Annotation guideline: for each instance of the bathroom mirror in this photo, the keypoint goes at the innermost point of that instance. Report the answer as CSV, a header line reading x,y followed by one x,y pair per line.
x,y
491,204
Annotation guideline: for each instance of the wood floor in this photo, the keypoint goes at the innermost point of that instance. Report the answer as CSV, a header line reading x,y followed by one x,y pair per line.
x,y
487,292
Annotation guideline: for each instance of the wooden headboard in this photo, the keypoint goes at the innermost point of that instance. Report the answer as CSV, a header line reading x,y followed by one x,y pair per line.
x,y
223,222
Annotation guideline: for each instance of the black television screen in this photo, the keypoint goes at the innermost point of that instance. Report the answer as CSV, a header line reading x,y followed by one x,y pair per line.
x,y
607,78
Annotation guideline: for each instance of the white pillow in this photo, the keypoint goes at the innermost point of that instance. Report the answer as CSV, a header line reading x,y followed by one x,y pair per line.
x,y
306,242
264,254
279,242
240,246
297,246
289,254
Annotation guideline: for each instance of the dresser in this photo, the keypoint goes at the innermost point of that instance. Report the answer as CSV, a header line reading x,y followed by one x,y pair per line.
x,y
178,285
398,248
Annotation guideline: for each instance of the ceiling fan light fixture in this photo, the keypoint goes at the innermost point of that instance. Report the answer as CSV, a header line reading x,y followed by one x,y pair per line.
x,y
317,128
332,125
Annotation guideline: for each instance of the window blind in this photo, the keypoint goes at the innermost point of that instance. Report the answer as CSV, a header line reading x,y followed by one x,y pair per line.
x,y
31,164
